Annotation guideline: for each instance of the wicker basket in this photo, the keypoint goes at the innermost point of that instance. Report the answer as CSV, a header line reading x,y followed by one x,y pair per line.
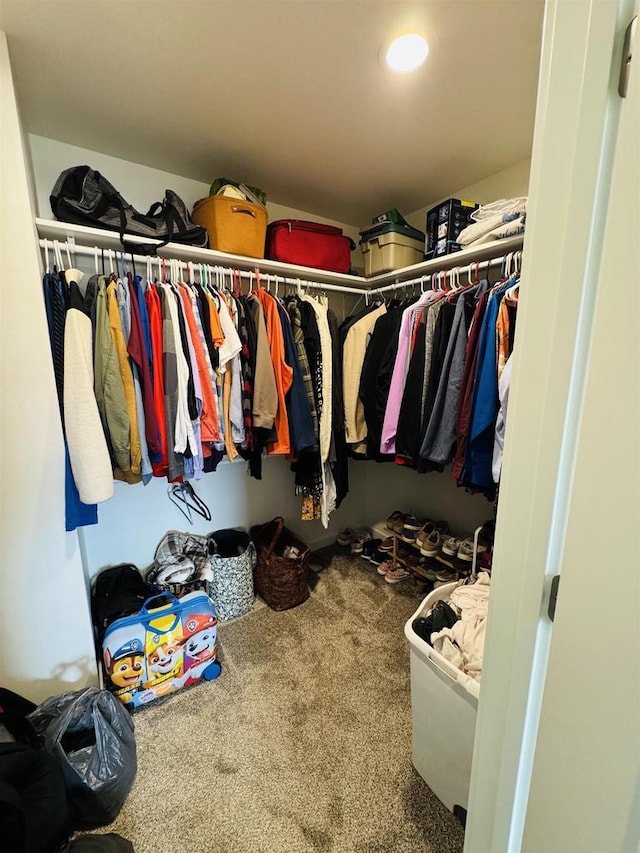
x,y
283,582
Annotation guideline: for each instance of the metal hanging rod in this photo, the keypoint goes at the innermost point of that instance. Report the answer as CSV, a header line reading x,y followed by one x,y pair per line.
x,y
507,260
116,255
511,261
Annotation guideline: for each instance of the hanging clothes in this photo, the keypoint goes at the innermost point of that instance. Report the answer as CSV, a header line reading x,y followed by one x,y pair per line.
x,y
88,453
77,513
159,465
138,348
353,355
281,370
375,378
328,499
401,366
440,434
479,449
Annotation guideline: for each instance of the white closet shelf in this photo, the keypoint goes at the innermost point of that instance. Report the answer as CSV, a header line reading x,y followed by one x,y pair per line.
x,y
51,229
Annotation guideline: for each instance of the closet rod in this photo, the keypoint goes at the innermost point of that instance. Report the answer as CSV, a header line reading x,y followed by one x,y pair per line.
x,y
466,269
90,251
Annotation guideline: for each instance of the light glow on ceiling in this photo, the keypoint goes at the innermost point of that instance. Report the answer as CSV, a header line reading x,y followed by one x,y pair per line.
x,y
407,53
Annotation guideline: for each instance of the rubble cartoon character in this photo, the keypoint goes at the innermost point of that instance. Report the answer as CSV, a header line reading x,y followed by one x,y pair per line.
x,y
163,662
125,667
199,642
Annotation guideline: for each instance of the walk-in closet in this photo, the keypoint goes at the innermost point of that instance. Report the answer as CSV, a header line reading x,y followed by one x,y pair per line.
x,y
320,430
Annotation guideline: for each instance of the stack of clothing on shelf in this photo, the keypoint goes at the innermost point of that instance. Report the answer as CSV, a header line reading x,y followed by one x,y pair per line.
x,y
495,221
434,379
165,378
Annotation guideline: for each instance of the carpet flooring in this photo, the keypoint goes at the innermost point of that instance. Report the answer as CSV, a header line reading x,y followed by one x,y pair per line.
x,y
302,744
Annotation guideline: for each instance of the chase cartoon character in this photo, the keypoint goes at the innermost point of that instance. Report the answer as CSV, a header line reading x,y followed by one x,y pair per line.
x,y
199,642
125,667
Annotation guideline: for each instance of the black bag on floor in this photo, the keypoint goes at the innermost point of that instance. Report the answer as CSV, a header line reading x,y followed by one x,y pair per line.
x,y
83,196
91,735
14,710
118,591
108,843
34,813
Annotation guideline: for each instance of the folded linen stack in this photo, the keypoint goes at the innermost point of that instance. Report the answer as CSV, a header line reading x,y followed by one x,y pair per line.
x,y
500,219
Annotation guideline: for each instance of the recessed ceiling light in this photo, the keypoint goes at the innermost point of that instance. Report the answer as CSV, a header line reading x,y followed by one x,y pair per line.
x,y
406,53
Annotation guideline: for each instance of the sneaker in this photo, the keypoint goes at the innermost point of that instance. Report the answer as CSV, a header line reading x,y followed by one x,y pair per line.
x,y
396,515
427,529
385,567
409,535
432,544
357,543
378,557
465,551
345,536
370,547
447,577
412,523
397,525
397,575
451,545
386,544
425,571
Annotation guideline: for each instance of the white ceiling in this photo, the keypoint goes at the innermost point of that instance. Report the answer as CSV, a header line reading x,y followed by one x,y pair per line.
x,y
285,94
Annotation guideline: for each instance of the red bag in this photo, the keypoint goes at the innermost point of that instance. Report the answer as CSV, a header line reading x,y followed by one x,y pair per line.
x,y
309,244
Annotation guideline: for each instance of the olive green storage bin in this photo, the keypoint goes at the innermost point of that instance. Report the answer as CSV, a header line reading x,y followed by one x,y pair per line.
x,y
390,246
234,226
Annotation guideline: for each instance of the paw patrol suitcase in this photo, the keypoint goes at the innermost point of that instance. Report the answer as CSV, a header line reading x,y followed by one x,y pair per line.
x,y
161,648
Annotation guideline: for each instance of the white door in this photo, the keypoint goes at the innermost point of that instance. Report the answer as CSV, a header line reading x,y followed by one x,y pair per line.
x,y
584,787
557,749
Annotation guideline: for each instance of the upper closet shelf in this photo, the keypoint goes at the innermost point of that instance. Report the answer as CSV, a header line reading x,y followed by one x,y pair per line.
x,y
53,230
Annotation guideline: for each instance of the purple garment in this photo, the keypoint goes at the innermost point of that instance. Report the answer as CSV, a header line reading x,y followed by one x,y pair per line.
x,y
399,377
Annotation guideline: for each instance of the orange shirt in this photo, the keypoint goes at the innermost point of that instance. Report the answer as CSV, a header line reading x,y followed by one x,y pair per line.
x,y
283,373
210,428
214,321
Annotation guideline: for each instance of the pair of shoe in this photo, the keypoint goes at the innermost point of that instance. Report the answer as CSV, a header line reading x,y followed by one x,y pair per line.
x,y
353,538
431,537
391,574
461,548
371,551
395,521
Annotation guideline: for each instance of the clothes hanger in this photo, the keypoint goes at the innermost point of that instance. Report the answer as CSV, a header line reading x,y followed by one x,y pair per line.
x,y
71,273
184,497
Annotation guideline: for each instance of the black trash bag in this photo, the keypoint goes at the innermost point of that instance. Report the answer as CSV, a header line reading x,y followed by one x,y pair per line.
x,y
91,734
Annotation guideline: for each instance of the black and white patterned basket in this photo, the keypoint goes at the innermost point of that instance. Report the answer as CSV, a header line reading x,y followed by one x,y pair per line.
x,y
232,584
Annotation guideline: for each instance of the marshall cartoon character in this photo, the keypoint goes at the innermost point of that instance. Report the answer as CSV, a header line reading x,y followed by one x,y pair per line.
x,y
125,667
199,643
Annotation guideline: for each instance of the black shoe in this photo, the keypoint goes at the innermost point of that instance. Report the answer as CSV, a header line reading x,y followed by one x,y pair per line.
x,y
378,557
369,548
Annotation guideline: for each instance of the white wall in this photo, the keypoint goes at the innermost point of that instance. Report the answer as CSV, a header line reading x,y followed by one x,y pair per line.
x,y
508,183
140,184
46,642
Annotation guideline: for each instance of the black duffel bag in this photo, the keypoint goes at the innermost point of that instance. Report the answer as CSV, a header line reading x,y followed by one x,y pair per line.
x,y
83,196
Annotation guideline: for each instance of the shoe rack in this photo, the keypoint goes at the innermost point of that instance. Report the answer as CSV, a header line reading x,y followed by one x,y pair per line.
x,y
438,563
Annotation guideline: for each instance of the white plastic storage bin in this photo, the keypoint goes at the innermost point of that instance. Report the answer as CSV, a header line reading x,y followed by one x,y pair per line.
x,y
444,703
390,246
